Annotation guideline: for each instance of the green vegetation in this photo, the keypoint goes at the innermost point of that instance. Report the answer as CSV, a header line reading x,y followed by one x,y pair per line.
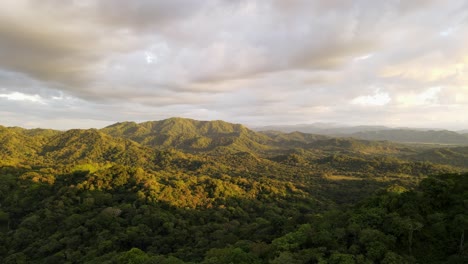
x,y
186,191
415,136
420,136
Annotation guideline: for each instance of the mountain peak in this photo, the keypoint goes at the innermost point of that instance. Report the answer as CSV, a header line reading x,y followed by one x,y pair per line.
x,y
187,134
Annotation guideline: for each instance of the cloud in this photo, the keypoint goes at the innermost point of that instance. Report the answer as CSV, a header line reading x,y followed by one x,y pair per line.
x,y
379,98
245,61
427,97
16,96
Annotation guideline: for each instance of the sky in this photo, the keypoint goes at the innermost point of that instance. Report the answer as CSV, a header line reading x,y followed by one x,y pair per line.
x,y
81,64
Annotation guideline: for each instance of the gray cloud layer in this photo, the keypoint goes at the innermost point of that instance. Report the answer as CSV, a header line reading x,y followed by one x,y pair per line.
x,y
255,62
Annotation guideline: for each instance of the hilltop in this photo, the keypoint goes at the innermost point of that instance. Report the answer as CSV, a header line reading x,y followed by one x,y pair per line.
x,y
189,134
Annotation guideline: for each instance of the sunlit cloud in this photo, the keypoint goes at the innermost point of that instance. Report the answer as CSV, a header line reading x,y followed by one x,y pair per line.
x,y
427,97
17,96
150,58
364,57
379,98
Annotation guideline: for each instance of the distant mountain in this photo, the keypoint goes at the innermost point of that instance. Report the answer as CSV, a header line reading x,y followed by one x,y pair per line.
x,y
402,135
414,136
352,145
293,139
320,128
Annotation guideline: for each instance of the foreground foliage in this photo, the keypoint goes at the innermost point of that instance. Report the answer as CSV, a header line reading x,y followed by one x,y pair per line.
x,y
89,196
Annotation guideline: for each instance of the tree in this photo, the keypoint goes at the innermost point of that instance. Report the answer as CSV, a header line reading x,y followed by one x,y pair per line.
x,y
133,256
461,222
340,258
229,255
411,225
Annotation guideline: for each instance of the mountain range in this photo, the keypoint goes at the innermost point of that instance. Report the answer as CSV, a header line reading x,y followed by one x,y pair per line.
x,y
138,143
402,135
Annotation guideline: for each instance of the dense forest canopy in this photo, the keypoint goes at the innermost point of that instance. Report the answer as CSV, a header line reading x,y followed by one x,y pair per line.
x,y
187,191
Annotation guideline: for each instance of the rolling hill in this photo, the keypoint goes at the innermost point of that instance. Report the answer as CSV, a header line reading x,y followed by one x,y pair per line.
x,y
455,156
133,143
321,128
401,135
92,146
415,136
189,135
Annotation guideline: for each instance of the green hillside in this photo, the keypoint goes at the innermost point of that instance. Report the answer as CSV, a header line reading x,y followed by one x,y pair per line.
x,y
455,156
82,146
189,135
187,191
415,136
18,145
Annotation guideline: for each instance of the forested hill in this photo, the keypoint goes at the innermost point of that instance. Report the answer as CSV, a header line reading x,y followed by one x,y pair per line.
x,y
132,143
402,135
190,135
415,136
187,191
202,136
